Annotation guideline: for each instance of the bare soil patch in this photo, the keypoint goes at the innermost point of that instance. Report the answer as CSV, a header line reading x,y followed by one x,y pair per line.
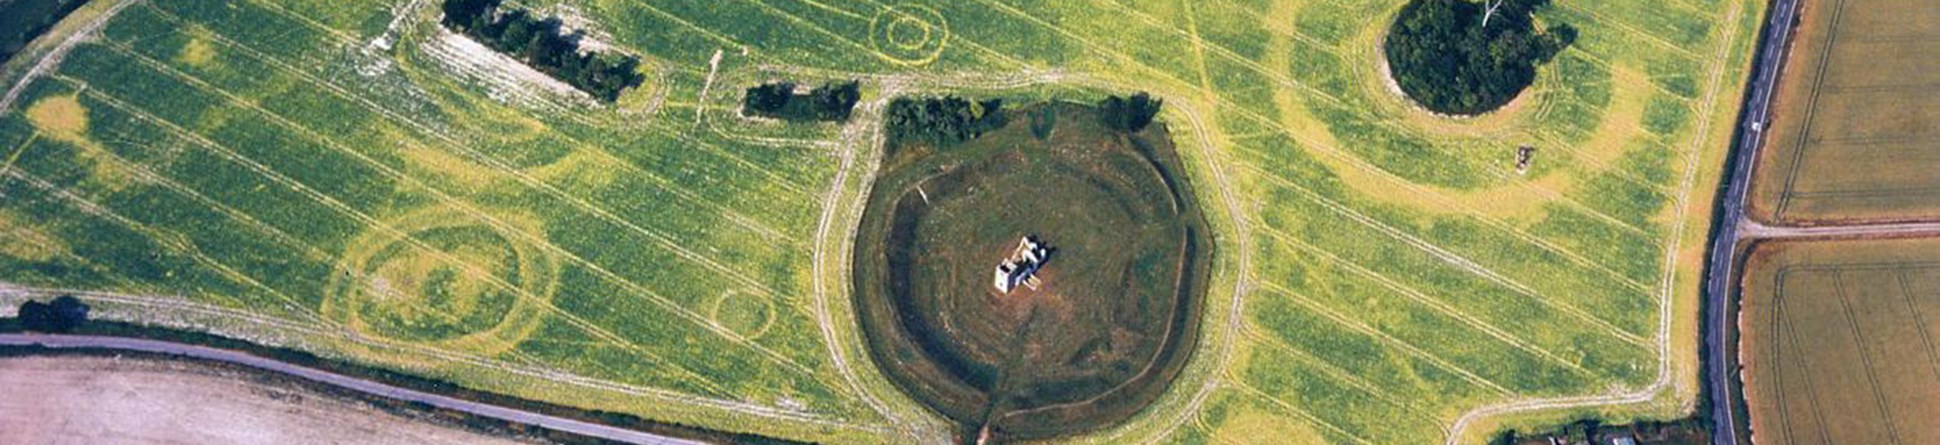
x,y
73,399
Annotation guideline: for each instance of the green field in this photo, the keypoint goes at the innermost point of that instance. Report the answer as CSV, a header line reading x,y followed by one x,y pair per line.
x,y
1838,341
1856,116
344,177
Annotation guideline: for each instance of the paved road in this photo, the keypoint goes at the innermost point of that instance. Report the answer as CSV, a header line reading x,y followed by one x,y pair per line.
x,y
1724,249
346,382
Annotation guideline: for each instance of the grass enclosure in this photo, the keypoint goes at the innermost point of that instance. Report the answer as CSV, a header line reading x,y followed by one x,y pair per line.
x,y
279,170
1838,341
1856,117
1116,316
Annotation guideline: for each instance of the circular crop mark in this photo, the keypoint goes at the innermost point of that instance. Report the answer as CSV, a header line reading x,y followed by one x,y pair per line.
x,y
908,34
445,279
746,315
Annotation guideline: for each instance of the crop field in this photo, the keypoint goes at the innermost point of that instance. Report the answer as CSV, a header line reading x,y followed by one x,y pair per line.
x,y
1856,117
1839,341
345,177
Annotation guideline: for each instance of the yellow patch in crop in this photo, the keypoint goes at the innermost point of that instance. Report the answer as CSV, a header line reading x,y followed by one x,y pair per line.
x,y
198,52
26,243
1258,428
64,119
584,168
448,168
1623,120
61,117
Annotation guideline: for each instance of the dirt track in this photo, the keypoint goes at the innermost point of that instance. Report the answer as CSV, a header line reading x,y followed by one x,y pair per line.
x,y
99,400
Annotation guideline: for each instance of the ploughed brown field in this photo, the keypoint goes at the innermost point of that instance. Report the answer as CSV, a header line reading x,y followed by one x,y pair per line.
x,y
74,399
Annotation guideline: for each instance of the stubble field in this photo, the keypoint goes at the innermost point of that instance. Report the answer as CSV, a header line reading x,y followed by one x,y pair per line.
x,y
1854,132
344,177
1838,341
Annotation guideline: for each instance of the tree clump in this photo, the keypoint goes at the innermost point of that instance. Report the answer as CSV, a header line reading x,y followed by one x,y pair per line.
x,y
1443,57
830,102
941,121
1129,114
543,44
61,315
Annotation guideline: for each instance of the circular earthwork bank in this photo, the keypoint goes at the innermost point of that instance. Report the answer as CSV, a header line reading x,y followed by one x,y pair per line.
x,y
1114,311
445,279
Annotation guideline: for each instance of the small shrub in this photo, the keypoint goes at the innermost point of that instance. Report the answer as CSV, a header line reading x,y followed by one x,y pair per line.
x,y
830,102
941,120
542,44
1130,114
61,315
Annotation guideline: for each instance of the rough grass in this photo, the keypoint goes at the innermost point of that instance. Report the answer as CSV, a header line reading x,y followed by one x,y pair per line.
x,y
234,151
1838,344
